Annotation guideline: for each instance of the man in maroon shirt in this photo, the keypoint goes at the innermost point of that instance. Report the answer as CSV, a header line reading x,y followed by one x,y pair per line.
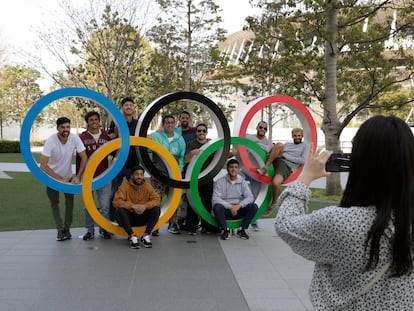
x,y
93,138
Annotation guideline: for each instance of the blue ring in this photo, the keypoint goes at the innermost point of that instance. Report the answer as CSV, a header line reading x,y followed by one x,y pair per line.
x,y
73,92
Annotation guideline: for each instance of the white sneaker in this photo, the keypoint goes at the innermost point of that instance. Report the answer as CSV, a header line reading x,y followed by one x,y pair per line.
x,y
133,242
146,241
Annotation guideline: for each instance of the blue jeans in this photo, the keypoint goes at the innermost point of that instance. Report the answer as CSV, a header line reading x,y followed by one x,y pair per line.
x,y
103,195
246,213
116,182
254,186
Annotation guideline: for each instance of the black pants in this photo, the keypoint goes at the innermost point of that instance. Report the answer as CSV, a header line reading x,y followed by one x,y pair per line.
x,y
128,219
192,218
53,196
206,194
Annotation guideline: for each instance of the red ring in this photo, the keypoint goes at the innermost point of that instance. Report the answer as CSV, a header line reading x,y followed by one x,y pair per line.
x,y
303,114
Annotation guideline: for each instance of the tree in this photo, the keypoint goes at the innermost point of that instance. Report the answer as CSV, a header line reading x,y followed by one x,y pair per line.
x,y
344,55
186,36
19,90
112,56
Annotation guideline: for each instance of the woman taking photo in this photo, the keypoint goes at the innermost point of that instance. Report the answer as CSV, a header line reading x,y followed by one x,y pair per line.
x,y
362,249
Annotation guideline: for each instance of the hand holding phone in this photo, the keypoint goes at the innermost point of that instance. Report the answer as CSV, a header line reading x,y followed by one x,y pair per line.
x,y
338,162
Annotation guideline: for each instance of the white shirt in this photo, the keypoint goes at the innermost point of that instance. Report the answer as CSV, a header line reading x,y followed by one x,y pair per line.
x,y
60,155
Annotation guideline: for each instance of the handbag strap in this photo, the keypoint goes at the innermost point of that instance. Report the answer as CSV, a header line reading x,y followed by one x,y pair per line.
x,y
371,283
373,280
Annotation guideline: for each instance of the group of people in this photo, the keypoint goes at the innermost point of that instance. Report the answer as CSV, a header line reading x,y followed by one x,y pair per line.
x,y
230,197
362,249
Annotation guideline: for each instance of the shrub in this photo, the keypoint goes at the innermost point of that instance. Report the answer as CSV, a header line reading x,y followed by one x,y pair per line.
x,y
37,143
9,146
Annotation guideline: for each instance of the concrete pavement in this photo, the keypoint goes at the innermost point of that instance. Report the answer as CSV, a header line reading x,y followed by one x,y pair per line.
x,y
181,272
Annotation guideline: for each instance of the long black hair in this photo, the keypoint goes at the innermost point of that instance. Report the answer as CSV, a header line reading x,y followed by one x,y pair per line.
x,y
382,175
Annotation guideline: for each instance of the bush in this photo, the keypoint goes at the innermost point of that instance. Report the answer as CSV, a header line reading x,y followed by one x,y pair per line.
x,y
9,146
37,143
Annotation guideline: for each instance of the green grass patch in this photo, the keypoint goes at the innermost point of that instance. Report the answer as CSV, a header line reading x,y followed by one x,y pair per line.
x,y
319,195
17,157
24,204
318,200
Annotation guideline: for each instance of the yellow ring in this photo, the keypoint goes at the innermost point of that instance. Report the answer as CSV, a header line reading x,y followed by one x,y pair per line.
x,y
93,163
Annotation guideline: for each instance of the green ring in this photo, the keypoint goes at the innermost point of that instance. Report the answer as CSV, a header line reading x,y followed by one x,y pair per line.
x,y
194,194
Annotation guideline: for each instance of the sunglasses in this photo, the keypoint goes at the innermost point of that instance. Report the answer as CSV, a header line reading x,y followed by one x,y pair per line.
x,y
262,128
201,131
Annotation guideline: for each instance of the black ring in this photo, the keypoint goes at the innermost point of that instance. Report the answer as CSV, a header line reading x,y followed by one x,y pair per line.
x,y
144,122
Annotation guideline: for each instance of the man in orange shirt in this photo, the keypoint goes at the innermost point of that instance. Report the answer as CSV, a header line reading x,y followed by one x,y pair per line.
x,y
137,204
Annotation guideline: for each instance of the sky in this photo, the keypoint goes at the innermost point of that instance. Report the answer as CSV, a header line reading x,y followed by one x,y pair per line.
x,y
19,20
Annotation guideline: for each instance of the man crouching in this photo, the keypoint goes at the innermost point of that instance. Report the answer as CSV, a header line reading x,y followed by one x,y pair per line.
x,y
137,204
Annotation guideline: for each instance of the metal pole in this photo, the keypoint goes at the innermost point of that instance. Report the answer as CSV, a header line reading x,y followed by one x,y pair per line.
x,y
1,124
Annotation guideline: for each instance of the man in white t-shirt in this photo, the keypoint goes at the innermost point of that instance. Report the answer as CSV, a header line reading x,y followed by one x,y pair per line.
x,y
56,161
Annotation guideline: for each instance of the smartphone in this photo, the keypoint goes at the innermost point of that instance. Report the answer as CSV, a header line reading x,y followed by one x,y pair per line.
x,y
338,162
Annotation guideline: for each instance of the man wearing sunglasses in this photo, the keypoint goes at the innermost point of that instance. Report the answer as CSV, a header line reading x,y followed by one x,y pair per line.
x,y
205,190
267,145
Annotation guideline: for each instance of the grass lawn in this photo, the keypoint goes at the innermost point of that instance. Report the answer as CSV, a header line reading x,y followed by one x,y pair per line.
x,y
25,206
17,157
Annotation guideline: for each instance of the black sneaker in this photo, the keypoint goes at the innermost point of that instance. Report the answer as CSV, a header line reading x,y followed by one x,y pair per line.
x,y
88,236
174,229
146,241
206,230
60,235
225,234
242,234
192,232
104,234
66,234
255,226
133,242
155,233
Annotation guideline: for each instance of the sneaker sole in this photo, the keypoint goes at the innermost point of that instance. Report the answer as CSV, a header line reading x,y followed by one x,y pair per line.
x,y
174,232
243,237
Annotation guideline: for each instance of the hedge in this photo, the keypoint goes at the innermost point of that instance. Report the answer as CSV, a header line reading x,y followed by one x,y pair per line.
x,y
9,146
13,146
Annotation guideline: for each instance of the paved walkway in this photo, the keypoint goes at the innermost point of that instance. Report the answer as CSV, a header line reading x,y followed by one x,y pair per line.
x,y
181,272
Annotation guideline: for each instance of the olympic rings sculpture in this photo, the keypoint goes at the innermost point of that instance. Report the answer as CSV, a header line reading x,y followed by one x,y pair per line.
x,y
73,92
300,110
173,198
194,177
217,116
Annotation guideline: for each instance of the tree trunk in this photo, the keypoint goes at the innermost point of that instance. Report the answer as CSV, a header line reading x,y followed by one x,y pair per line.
x,y
187,78
330,123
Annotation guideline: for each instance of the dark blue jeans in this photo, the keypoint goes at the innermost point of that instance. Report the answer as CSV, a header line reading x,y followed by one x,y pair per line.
x,y
246,213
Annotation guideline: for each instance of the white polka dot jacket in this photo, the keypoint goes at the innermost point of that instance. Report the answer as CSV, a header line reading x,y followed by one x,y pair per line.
x,y
334,238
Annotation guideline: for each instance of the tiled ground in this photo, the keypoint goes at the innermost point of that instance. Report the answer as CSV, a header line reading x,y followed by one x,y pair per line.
x,y
181,272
